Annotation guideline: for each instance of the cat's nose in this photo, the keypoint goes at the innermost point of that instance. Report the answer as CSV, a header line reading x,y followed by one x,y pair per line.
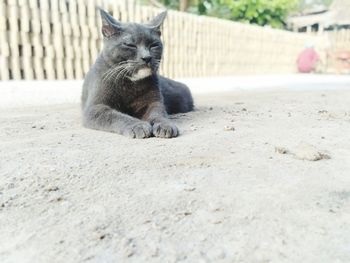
x,y
147,59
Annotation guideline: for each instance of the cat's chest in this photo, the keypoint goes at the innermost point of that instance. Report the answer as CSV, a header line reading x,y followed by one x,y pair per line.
x,y
134,101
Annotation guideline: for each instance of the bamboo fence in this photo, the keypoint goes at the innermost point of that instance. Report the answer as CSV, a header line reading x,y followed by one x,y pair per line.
x,y
337,51
60,39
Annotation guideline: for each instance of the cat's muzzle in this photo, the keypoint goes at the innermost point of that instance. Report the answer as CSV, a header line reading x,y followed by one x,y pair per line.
x,y
141,73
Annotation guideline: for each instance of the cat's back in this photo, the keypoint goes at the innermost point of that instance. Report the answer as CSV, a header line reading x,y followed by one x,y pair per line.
x,y
177,96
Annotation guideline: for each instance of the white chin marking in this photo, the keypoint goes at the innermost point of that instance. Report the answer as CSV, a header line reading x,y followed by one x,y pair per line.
x,y
141,74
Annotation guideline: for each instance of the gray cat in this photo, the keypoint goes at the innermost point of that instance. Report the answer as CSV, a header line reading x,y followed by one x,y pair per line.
x,y
122,92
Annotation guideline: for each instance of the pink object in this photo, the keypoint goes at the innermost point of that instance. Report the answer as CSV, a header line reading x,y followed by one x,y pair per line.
x,y
307,60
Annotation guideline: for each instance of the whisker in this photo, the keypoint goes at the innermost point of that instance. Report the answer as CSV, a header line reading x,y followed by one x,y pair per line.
x,y
110,74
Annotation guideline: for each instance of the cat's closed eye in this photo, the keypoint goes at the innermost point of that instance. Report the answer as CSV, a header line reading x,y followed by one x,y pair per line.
x,y
129,45
154,45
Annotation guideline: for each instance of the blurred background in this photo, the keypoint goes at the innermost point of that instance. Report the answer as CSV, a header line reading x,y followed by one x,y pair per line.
x,y
60,39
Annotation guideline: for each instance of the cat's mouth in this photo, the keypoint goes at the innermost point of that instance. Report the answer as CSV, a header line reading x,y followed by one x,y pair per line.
x,y
141,73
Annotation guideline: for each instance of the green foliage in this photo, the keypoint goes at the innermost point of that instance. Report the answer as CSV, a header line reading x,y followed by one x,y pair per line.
x,y
172,4
260,12
217,8
309,3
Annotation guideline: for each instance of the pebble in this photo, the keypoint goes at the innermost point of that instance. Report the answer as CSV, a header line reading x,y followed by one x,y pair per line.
x,y
215,206
190,189
52,189
128,247
281,150
229,128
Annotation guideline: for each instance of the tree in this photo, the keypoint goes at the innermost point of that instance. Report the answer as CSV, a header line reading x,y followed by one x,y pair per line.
x,y
261,12
181,5
184,5
308,3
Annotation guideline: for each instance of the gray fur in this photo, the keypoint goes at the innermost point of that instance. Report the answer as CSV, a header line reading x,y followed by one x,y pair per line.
x,y
123,92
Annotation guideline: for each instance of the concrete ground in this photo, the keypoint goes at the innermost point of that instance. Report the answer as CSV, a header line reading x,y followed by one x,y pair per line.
x,y
256,176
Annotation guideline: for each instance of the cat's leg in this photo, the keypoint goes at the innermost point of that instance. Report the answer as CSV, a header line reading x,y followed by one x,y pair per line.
x,y
162,126
103,117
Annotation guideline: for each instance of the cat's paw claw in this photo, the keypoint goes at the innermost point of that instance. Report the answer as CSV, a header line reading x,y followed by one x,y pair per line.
x,y
139,130
165,130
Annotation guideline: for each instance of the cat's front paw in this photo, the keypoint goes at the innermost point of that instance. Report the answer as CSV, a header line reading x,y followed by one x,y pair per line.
x,y
139,130
165,129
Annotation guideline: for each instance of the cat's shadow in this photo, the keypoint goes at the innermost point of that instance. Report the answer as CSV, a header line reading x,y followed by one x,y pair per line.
x,y
200,113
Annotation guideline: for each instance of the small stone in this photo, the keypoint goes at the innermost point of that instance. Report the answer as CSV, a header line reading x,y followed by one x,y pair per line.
x,y
229,128
244,109
210,108
281,150
190,189
129,252
129,247
215,206
53,189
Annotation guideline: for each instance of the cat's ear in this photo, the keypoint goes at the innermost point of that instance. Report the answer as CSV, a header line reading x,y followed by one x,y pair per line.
x,y
157,22
110,26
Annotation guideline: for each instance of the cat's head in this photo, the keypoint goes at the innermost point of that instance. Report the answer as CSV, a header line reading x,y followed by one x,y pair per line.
x,y
135,50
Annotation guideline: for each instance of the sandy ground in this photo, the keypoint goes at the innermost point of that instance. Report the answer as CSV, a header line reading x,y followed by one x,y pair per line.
x,y
218,193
